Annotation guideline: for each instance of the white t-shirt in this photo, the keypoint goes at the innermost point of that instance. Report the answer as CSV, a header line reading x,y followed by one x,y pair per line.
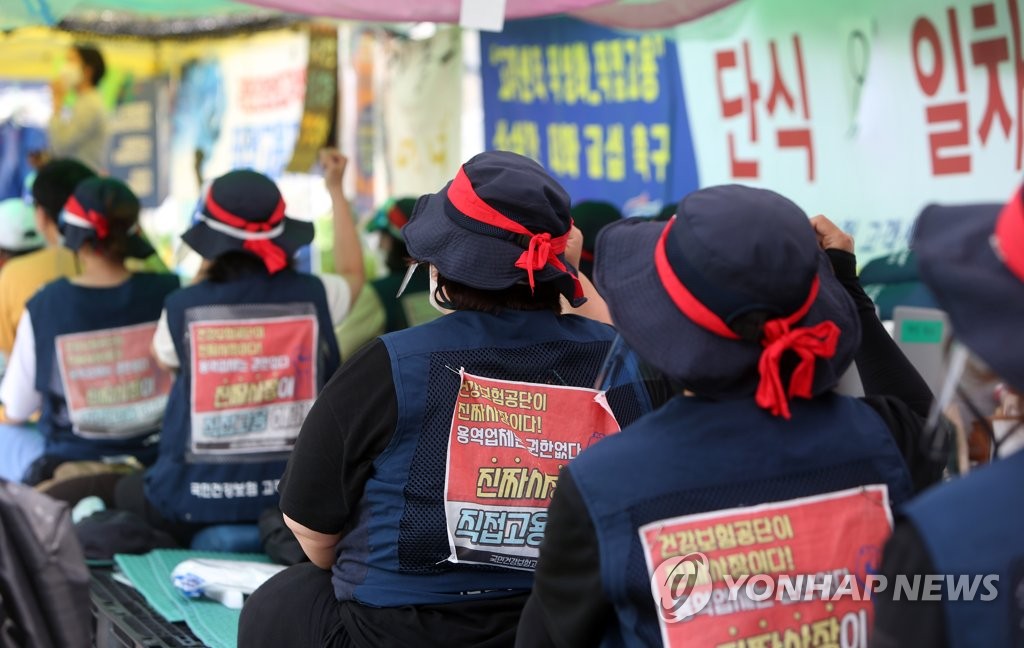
x,y
18,389
339,301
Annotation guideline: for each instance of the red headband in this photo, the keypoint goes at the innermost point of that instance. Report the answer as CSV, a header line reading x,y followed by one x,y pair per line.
x,y
809,343
543,248
272,255
229,219
1009,235
97,220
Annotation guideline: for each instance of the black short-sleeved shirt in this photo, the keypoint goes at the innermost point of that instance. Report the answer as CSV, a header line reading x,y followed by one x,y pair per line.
x,y
351,423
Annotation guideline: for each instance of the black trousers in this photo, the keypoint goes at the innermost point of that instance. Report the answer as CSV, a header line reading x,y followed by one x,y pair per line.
x,y
294,608
130,495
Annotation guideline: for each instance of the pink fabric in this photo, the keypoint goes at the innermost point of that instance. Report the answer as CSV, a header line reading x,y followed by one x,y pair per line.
x,y
443,11
652,15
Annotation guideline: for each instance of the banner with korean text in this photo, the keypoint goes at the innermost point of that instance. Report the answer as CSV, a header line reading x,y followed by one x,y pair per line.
x,y
112,385
835,538
864,111
254,378
508,442
602,110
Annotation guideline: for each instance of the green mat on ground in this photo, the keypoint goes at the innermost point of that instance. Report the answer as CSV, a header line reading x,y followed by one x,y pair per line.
x,y
211,622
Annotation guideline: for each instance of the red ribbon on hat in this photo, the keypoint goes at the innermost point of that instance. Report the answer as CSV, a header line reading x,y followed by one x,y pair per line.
x,y
779,336
543,249
1009,235
269,252
96,220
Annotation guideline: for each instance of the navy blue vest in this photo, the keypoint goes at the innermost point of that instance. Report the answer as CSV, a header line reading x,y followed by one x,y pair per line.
x,y
60,308
975,527
397,552
693,456
228,488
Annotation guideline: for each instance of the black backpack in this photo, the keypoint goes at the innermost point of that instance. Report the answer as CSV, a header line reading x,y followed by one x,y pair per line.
x,y
44,581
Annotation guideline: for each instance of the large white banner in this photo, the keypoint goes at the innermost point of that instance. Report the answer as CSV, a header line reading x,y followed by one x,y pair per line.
x,y
422,112
864,111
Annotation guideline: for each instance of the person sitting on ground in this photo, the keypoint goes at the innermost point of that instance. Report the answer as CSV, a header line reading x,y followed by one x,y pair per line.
x,y
79,131
591,216
401,459
412,307
968,531
252,342
735,300
23,277
80,355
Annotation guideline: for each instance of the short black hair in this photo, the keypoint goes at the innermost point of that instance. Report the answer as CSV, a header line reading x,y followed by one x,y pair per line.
x,y
55,182
520,297
93,60
237,265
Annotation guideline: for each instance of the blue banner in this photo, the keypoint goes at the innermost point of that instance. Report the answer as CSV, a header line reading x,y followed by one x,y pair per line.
x,y
602,110
136,154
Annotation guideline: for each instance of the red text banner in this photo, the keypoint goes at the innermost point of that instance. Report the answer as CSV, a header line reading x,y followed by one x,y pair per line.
x,y
253,382
112,385
790,573
508,442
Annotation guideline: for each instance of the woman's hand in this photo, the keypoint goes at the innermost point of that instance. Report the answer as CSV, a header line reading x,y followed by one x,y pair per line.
x,y
830,237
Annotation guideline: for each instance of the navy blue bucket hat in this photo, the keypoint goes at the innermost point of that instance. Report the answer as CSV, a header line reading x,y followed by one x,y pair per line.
x,y
972,259
502,221
729,296
243,211
85,218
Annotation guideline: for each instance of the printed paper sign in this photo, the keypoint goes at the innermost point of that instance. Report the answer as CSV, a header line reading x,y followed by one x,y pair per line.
x,y
253,382
777,571
112,386
508,442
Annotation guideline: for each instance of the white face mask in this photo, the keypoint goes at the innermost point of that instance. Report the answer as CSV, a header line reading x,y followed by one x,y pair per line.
x,y
71,75
1009,435
433,290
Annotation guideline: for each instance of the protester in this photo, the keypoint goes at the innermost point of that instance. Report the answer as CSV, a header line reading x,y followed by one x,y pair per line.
x,y
80,131
894,281
18,232
412,307
383,310
22,277
252,343
75,340
733,299
972,259
365,490
591,216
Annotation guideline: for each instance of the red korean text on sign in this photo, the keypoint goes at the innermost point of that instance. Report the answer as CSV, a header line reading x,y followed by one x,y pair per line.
x,y
992,46
253,382
784,101
112,385
508,442
838,534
